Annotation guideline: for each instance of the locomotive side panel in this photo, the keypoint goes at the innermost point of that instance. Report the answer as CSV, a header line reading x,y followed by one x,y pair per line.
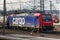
x,y
24,21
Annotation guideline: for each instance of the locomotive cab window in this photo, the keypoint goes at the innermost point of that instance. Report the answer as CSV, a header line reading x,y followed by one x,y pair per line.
x,y
46,18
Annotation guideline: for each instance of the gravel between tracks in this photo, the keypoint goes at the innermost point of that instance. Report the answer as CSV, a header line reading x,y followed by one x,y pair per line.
x,y
45,34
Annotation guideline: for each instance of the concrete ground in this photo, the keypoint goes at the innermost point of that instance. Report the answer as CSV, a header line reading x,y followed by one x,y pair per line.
x,y
57,26
25,37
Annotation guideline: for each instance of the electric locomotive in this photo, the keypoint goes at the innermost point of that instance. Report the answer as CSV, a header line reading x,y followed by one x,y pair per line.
x,y
39,21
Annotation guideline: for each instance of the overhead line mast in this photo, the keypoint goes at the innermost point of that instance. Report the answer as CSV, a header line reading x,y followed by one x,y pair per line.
x,y
42,6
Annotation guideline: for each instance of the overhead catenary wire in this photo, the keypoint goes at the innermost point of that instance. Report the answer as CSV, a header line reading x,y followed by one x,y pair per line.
x,y
12,3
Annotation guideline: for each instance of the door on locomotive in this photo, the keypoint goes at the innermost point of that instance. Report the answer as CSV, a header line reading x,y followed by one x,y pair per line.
x,y
39,16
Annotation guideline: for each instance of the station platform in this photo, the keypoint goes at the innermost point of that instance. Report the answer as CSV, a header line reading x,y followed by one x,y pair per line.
x,y
56,23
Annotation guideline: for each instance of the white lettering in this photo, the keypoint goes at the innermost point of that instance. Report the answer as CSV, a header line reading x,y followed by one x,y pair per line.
x,y
18,21
15,21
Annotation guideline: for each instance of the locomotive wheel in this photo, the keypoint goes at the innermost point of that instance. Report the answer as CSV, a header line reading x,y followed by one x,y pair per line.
x,y
44,29
36,30
24,28
29,29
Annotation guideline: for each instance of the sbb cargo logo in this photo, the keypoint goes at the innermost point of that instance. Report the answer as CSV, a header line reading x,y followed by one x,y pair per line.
x,y
19,21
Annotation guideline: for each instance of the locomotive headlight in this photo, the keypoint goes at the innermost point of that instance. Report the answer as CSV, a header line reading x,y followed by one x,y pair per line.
x,y
43,24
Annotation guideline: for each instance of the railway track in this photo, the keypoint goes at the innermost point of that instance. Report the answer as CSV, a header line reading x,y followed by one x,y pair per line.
x,y
18,31
54,34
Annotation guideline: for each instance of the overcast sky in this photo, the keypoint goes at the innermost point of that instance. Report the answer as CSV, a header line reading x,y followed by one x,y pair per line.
x,y
16,4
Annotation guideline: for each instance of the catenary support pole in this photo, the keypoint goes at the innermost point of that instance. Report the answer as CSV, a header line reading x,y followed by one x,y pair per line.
x,y
4,8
